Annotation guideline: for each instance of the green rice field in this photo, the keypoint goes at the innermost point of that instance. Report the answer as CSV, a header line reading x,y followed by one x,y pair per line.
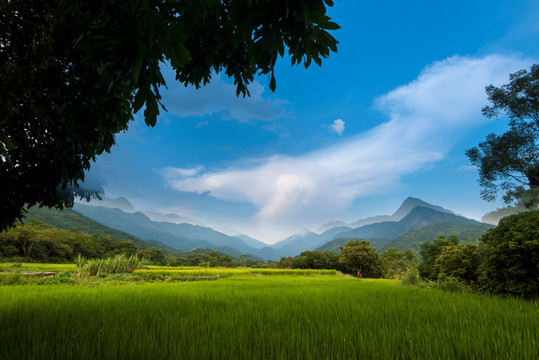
x,y
262,317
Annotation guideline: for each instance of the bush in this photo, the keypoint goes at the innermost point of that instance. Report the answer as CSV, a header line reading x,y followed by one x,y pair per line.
x,y
410,277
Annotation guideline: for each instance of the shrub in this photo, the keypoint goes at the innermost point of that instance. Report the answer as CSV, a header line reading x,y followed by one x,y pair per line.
x,y
410,277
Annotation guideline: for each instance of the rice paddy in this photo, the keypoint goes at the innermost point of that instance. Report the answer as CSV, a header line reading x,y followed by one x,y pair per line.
x,y
262,317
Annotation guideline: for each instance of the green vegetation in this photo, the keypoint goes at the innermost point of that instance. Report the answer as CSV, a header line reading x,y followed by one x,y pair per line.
x,y
68,219
119,264
466,232
35,241
191,273
510,256
262,317
508,163
359,257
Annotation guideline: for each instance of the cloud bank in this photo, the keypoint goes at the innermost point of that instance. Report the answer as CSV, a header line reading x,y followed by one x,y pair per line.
x,y
444,100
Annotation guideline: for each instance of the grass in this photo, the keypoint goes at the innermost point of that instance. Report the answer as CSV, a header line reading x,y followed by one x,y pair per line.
x,y
160,273
268,317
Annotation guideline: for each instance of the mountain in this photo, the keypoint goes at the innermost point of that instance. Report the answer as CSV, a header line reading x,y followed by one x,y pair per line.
x,y
331,225
382,234
467,232
335,245
254,243
172,218
68,219
411,203
296,244
407,205
416,218
119,203
183,236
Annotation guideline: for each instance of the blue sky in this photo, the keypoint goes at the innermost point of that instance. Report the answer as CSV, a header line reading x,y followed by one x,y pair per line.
x,y
388,116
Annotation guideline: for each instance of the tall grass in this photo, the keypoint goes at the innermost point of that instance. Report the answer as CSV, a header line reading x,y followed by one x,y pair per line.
x,y
119,264
269,317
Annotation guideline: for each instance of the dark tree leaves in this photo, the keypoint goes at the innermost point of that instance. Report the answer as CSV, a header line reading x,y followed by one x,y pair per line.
x,y
509,163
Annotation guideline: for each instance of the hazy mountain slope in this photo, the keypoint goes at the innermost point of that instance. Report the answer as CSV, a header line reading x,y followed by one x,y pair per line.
x,y
254,243
408,205
136,224
296,244
411,240
69,219
418,217
182,236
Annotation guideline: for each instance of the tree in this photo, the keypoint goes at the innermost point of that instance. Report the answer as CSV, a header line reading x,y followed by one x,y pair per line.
x,y
430,251
459,261
315,260
509,163
358,256
510,256
74,72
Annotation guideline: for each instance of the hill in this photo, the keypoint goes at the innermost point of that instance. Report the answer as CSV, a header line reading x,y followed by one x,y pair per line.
x,y
69,219
296,244
183,236
467,232
334,245
418,217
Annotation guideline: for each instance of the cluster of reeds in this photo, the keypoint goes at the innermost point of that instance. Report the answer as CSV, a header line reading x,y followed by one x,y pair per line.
x,y
118,264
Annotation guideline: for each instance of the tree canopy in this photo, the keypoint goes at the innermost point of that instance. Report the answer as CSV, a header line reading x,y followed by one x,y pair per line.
x,y
74,72
358,256
510,256
509,163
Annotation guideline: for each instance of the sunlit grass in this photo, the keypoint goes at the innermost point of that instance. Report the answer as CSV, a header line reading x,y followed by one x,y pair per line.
x,y
163,273
40,267
268,317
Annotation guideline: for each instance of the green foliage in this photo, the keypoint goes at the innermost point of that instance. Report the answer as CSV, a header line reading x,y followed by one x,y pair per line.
x,y
510,256
429,252
410,277
286,262
359,257
35,241
119,264
460,262
316,260
396,263
74,72
464,231
152,256
508,163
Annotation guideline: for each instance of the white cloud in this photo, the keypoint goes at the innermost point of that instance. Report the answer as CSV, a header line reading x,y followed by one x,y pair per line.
x,y
424,116
337,126
219,97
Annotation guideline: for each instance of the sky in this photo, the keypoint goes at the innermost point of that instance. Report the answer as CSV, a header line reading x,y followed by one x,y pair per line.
x,y
390,115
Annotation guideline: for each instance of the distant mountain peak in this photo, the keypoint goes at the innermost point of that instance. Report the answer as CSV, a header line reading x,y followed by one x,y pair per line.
x,y
410,203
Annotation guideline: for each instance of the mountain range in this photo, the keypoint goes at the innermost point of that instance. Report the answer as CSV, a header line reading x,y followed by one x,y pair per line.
x,y
413,222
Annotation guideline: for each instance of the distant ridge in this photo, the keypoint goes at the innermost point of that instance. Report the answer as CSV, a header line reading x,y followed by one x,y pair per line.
x,y
183,236
69,219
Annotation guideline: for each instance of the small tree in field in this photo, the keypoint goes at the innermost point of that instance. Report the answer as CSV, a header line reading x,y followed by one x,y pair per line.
x,y
358,256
